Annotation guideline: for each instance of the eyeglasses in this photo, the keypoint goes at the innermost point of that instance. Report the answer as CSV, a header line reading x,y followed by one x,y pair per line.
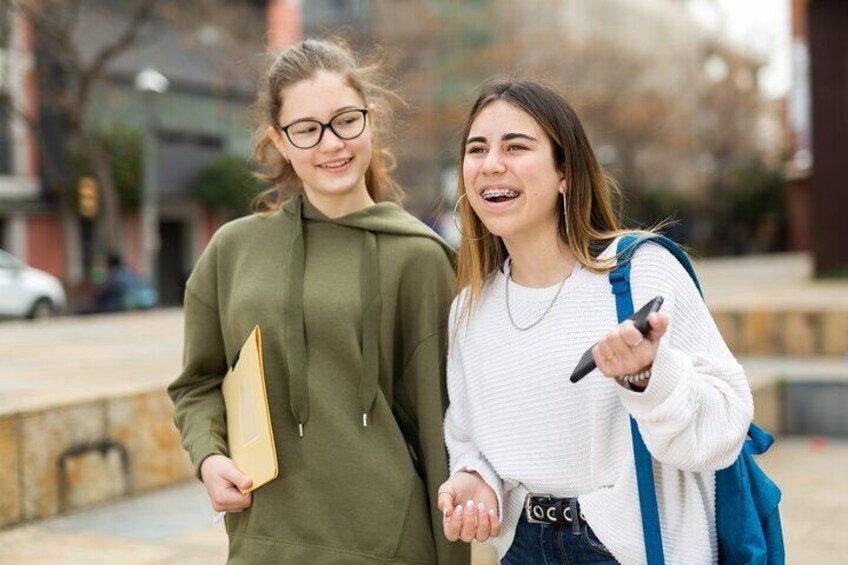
x,y
305,134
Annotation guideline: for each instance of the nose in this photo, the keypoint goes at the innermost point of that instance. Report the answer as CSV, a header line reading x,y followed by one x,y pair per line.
x,y
330,141
493,164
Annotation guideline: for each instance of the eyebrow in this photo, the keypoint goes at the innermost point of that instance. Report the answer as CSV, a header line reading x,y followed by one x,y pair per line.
x,y
504,137
335,112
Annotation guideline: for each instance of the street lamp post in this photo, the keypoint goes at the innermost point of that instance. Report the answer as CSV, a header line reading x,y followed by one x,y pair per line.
x,y
150,83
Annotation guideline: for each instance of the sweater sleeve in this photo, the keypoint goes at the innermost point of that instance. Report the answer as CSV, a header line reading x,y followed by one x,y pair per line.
x,y
196,393
694,413
420,395
464,453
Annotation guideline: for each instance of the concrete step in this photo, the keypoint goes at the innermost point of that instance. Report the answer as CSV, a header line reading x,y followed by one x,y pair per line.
x,y
799,396
785,331
84,417
771,305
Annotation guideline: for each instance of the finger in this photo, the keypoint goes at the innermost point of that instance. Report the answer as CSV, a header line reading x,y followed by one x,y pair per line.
x,y
469,522
247,503
454,524
231,473
231,499
619,348
602,354
631,336
630,359
483,525
604,357
659,325
445,504
494,523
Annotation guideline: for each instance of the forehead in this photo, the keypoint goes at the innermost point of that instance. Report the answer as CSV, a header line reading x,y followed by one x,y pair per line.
x,y
499,117
318,97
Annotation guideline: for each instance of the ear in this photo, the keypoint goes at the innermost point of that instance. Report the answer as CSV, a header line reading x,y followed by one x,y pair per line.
x,y
277,140
562,186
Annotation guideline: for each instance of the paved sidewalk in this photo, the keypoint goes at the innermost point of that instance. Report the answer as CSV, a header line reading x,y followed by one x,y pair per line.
x,y
169,526
779,281
77,359
174,525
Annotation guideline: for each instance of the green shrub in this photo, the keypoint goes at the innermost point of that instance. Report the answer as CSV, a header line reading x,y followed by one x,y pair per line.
x,y
226,184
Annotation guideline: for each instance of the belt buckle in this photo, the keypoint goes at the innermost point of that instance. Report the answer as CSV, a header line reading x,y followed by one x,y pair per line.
x,y
535,514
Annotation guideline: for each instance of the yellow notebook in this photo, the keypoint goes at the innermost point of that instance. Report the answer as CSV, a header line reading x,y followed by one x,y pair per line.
x,y
249,433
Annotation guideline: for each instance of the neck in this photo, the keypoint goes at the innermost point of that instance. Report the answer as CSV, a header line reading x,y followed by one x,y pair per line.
x,y
337,205
539,261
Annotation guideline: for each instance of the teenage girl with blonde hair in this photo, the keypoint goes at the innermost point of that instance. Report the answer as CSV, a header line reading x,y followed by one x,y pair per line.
x,y
352,295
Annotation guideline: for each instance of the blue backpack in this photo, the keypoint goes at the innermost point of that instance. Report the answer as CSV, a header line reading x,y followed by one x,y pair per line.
x,y
747,517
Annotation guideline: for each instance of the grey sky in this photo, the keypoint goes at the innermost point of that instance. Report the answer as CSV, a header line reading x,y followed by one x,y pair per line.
x,y
761,25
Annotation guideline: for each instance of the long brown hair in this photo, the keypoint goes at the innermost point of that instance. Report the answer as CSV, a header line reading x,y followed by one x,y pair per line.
x,y
592,219
303,61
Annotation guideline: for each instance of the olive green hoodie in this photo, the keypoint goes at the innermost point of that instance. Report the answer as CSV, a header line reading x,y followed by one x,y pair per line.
x,y
353,314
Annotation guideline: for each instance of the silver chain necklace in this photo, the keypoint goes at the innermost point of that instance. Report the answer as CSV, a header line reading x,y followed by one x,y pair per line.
x,y
545,313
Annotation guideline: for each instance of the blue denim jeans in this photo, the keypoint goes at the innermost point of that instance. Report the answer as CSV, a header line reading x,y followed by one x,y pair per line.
x,y
554,544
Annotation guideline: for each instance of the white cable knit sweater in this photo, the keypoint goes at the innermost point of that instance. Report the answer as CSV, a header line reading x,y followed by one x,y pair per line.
x,y
517,420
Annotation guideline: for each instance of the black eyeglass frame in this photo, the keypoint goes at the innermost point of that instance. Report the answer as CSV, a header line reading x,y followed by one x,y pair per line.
x,y
325,126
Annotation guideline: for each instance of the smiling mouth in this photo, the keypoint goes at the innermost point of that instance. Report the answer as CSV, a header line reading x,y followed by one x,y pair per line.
x,y
499,194
336,164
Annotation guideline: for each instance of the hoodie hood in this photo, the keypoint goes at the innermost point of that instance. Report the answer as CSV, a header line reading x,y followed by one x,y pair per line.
x,y
381,218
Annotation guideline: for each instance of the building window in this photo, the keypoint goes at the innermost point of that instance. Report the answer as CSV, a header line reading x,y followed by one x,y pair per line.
x,y
5,135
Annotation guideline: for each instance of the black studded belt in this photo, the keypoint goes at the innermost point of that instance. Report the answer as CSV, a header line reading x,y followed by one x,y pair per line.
x,y
546,509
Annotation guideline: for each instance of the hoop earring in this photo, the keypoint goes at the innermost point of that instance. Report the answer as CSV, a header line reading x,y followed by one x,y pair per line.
x,y
565,215
456,224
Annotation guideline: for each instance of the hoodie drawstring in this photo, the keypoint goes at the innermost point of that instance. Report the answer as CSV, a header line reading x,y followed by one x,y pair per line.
x,y
295,332
369,282
295,350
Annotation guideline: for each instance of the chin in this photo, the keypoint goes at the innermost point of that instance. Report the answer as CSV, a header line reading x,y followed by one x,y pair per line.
x,y
336,188
500,228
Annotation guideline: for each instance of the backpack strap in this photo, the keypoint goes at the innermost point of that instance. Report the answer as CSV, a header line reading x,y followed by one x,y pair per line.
x,y
620,280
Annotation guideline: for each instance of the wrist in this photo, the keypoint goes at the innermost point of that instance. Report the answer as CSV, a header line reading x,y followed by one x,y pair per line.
x,y
467,471
208,462
635,381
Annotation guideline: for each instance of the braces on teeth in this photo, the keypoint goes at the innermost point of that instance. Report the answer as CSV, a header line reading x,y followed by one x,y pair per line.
x,y
496,193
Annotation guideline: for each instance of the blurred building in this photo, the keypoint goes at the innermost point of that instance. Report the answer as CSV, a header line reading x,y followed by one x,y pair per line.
x,y
818,103
285,22
667,104
203,114
20,188
827,27
799,164
210,55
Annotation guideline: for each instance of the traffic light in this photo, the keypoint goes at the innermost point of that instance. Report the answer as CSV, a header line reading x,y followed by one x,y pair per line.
x,y
88,198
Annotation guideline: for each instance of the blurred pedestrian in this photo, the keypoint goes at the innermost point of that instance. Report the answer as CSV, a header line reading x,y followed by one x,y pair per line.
x,y
352,295
542,467
111,294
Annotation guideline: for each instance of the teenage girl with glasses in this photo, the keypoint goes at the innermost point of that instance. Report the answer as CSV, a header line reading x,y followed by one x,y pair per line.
x,y
541,467
352,296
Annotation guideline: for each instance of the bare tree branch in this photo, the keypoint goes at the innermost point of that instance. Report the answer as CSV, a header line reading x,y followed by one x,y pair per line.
x,y
51,31
128,38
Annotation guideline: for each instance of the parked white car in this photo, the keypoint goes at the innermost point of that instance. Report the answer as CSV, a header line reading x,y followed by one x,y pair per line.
x,y
26,292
